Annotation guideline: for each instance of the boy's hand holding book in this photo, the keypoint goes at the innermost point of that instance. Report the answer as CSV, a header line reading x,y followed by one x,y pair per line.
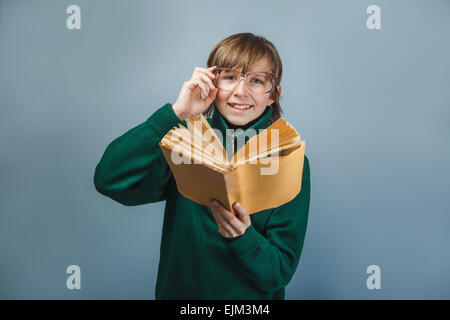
x,y
230,225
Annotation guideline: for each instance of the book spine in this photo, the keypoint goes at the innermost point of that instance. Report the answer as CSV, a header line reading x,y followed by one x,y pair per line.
x,y
233,188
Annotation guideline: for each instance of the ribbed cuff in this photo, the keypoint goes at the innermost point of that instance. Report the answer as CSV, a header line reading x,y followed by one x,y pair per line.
x,y
164,119
244,244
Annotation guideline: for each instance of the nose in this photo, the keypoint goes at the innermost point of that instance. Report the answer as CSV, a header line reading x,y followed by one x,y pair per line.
x,y
241,88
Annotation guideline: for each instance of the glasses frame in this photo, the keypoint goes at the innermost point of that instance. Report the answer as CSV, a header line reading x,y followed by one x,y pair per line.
x,y
244,76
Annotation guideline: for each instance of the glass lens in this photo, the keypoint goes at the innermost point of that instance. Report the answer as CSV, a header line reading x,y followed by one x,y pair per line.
x,y
227,79
258,82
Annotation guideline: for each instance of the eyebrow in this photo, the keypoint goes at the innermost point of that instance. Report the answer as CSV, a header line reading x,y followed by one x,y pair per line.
x,y
248,71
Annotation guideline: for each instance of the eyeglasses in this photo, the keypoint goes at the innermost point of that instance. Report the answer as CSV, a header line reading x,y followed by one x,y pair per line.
x,y
258,82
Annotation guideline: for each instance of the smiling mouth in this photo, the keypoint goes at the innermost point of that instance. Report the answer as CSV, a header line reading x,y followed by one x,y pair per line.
x,y
240,106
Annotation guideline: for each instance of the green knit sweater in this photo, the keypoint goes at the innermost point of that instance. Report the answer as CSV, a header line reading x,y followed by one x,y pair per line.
x,y
196,262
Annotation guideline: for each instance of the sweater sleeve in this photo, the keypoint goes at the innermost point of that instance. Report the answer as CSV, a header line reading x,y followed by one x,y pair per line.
x,y
270,261
133,170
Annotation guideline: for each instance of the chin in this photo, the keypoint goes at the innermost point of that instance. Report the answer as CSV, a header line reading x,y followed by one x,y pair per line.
x,y
238,121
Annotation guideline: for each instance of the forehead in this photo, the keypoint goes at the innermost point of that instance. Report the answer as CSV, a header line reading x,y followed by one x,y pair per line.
x,y
260,65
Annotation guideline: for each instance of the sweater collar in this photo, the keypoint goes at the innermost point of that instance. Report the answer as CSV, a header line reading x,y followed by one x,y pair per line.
x,y
218,122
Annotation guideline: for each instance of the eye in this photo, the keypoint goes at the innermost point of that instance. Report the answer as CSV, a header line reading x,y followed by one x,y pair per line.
x,y
257,81
229,77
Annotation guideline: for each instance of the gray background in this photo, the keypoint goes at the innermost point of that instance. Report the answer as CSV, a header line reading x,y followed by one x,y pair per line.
x,y
372,105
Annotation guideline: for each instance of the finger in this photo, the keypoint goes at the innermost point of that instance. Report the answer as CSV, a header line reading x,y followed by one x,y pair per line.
x,y
208,72
203,77
207,91
225,233
213,70
230,219
192,84
212,95
229,231
217,216
206,85
242,213
225,228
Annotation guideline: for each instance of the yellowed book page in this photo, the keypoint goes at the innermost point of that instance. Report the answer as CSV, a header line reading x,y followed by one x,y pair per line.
x,y
204,139
277,137
185,151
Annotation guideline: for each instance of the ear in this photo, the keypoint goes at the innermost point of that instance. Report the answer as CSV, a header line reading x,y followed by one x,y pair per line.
x,y
278,88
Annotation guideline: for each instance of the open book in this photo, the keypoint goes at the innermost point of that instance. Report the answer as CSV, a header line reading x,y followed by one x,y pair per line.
x,y
264,173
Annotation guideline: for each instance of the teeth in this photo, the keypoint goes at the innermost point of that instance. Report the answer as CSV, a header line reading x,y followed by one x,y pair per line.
x,y
239,106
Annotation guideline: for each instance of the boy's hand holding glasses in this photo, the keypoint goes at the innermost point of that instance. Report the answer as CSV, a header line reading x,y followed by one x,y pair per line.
x,y
196,94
